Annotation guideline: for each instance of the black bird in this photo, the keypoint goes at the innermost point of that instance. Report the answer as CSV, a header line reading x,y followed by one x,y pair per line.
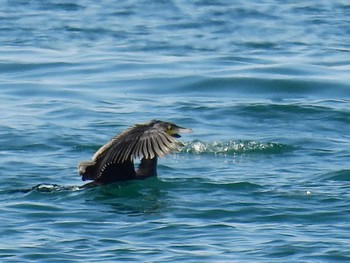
x,y
115,160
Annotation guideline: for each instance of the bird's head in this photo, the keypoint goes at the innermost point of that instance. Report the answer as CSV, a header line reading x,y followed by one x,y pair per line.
x,y
170,128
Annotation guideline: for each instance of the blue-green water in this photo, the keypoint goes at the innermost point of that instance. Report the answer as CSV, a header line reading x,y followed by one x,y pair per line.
x,y
265,86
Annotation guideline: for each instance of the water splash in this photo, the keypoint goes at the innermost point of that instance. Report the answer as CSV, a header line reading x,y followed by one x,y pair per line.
x,y
49,188
235,147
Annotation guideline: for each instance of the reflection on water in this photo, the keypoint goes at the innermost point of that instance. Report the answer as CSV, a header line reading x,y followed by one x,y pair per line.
x,y
132,198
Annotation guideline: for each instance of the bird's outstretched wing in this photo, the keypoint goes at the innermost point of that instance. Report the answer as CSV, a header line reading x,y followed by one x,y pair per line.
x,y
114,160
138,141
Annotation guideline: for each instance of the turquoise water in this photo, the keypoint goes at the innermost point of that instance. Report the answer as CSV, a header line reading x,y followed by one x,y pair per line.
x,y
264,85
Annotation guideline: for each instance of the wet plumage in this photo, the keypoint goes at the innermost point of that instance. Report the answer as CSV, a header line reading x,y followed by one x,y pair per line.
x,y
115,160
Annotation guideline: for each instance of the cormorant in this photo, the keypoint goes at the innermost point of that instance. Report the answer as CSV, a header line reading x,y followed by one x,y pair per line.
x,y
114,161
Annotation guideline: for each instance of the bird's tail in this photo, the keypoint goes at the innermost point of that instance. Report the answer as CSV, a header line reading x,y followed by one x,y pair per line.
x,y
87,170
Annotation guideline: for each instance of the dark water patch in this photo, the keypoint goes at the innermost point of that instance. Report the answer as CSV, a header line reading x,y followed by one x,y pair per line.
x,y
341,175
132,198
27,146
273,108
35,208
70,7
237,186
22,68
317,111
316,217
271,86
282,109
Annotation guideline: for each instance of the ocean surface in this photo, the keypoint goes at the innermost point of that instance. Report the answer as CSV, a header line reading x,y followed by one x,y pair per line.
x,y
264,85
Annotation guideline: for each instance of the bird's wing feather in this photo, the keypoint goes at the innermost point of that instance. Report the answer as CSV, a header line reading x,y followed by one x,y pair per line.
x,y
136,142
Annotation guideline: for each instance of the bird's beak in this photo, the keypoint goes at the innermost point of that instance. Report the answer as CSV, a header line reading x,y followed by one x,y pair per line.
x,y
183,130
177,129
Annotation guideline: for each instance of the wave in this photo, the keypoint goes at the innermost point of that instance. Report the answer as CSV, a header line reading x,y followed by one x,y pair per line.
x,y
341,175
235,147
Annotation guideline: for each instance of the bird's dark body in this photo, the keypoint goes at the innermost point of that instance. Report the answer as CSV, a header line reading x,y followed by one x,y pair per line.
x,y
111,173
114,161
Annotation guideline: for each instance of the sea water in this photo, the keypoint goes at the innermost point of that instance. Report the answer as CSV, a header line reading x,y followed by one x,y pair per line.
x,y
264,85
